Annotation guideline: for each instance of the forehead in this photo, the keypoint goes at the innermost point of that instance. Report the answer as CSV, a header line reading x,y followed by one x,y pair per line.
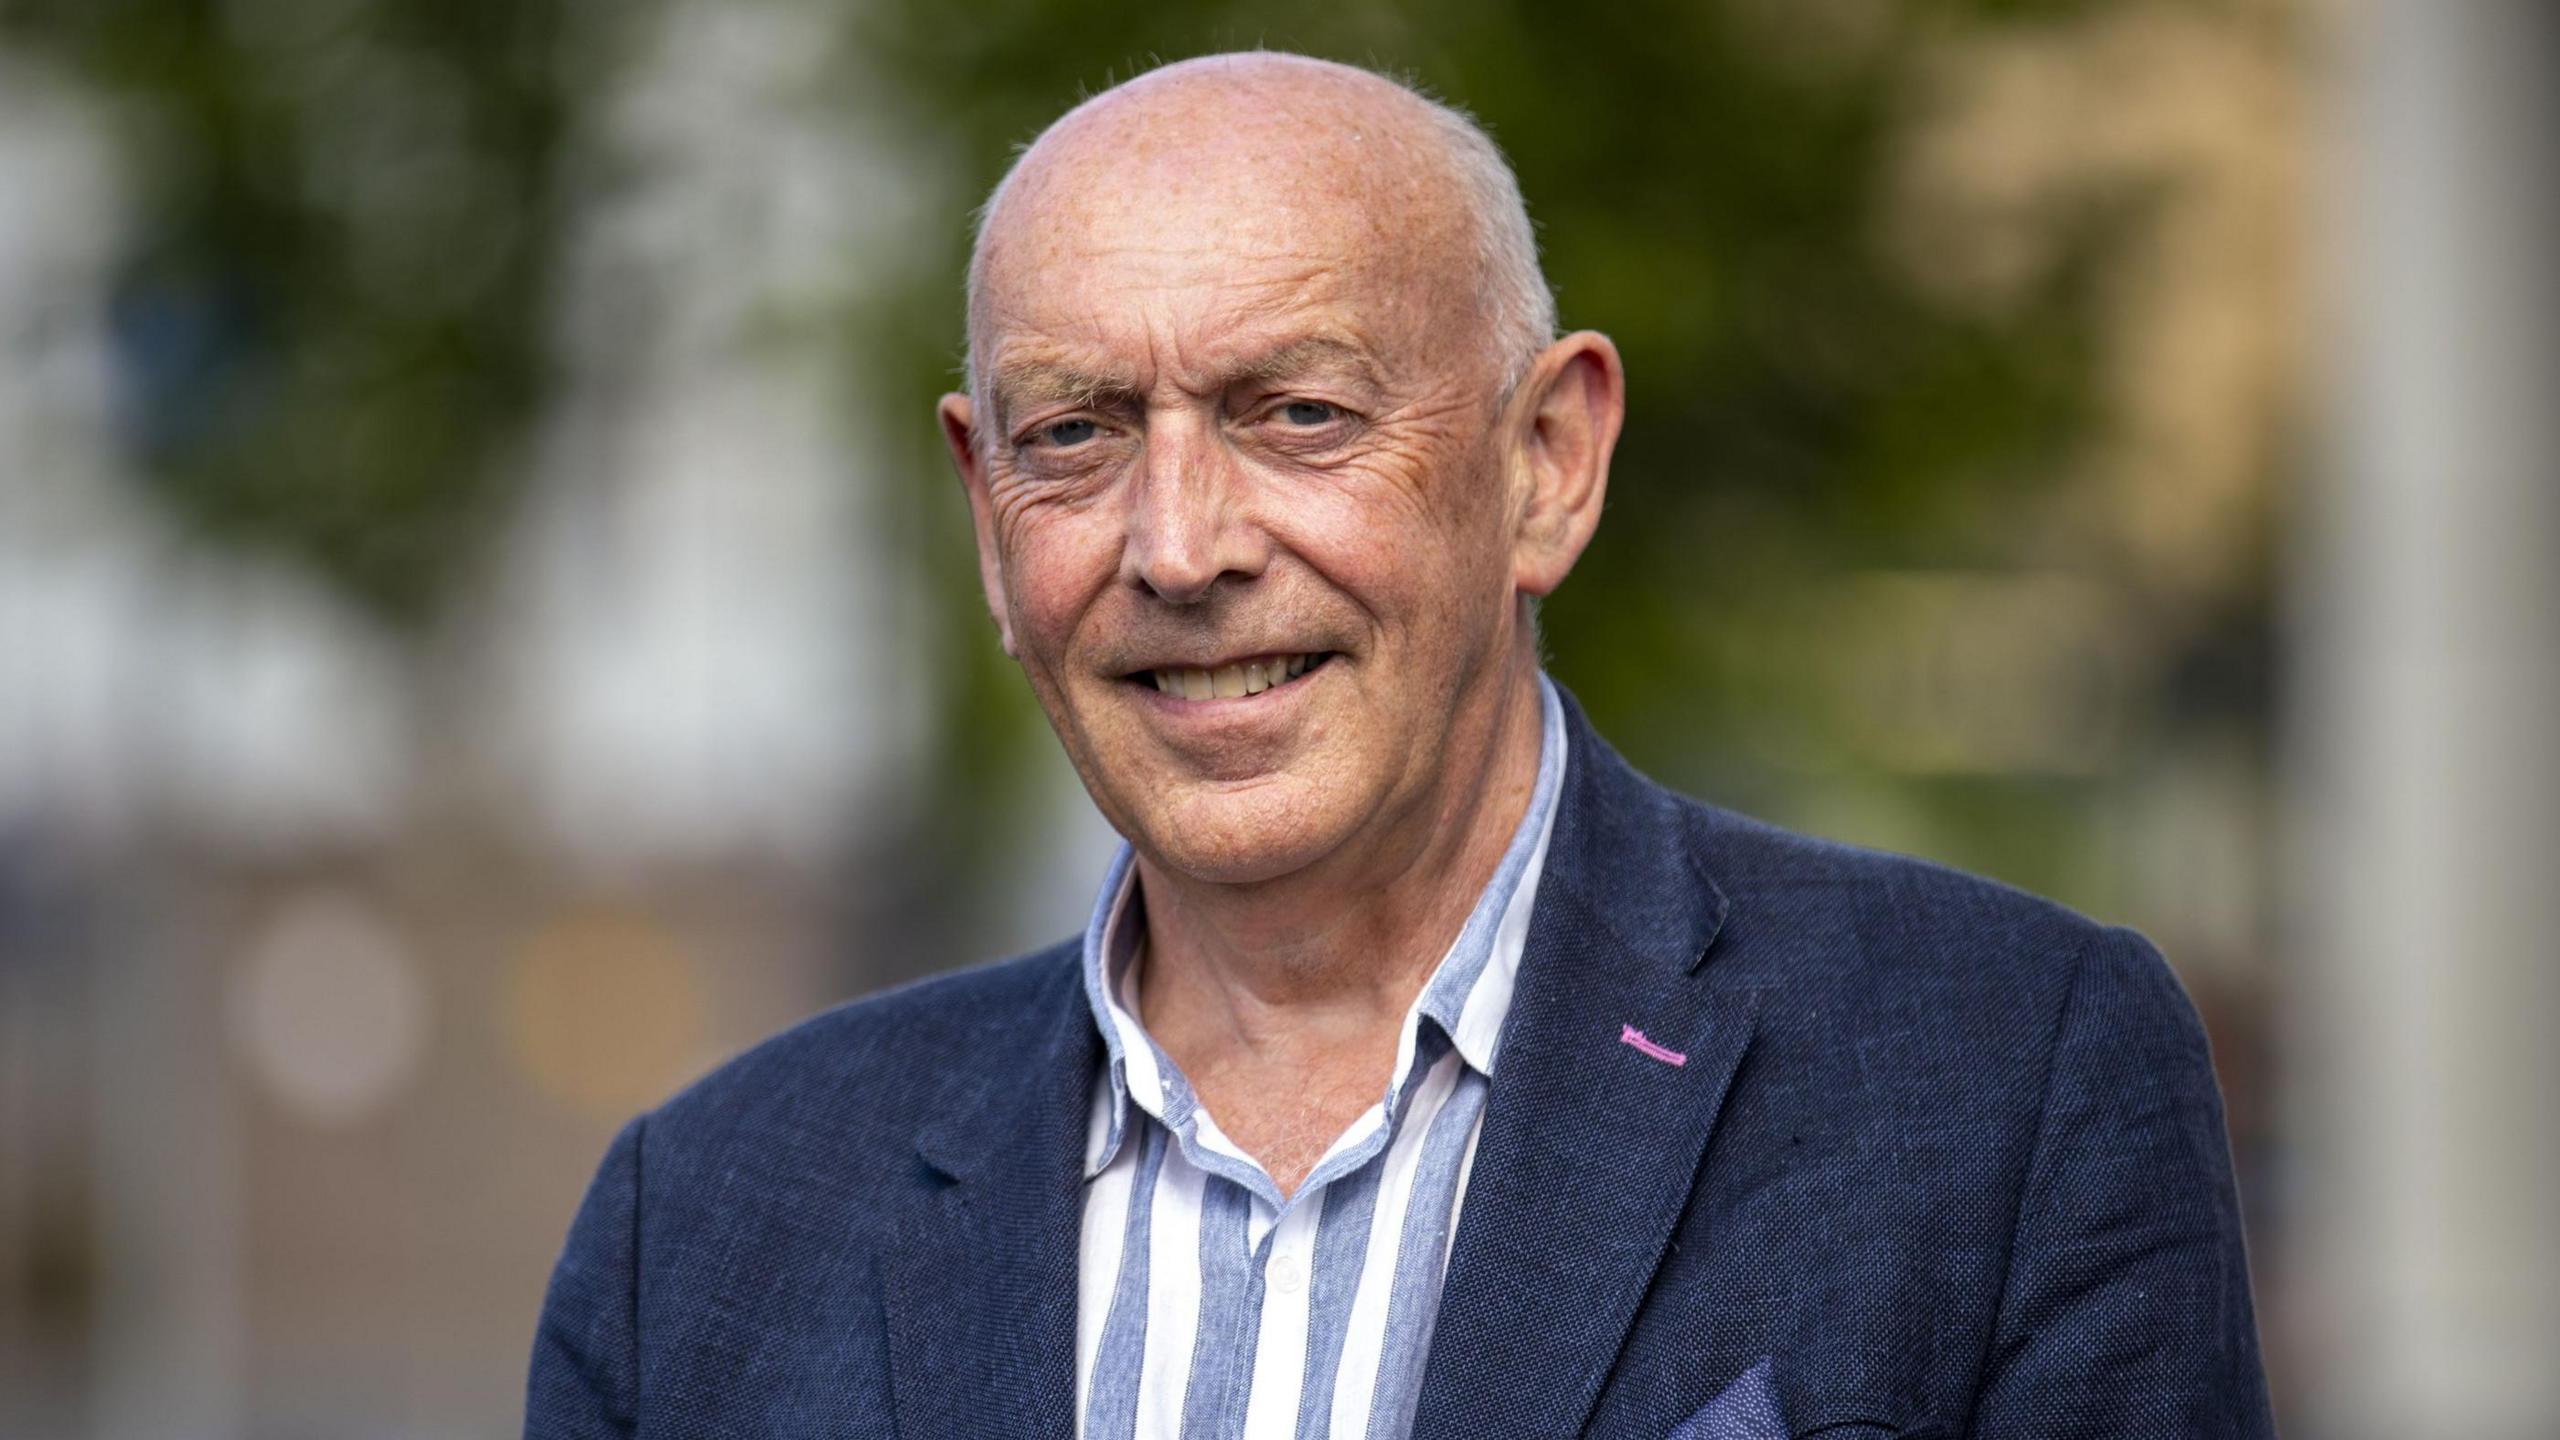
x,y
1174,245
1197,316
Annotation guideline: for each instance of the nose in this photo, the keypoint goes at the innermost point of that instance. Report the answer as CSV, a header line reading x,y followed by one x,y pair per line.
x,y
1188,526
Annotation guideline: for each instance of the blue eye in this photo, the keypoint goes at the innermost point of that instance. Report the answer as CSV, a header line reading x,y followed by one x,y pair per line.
x,y
1308,412
1068,433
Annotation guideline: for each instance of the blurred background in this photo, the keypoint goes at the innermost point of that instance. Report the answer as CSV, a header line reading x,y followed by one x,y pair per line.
x,y
486,630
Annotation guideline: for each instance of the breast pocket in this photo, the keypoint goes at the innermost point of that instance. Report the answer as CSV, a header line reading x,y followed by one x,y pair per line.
x,y
1864,1429
1750,1409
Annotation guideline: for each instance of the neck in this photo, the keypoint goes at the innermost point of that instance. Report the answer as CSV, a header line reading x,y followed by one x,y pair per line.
x,y
1330,958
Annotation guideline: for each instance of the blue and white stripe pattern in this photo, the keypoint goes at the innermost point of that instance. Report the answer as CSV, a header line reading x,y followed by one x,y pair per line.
x,y
1210,1307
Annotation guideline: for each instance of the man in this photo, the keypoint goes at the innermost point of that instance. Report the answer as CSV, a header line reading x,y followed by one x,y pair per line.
x,y
1422,1069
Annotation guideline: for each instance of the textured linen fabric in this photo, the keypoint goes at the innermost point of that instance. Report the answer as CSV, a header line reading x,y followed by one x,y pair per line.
x,y
1210,1304
1947,1157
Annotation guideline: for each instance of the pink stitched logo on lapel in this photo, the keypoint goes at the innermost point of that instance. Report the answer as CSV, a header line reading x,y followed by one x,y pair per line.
x,y
1630,1035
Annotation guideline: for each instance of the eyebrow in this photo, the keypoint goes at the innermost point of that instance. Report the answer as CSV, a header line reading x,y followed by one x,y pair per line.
x,y
1023,384
1306,354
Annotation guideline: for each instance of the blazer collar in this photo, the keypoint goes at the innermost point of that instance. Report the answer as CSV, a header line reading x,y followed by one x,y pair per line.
x,y
980,1287
1634,851
1592,1140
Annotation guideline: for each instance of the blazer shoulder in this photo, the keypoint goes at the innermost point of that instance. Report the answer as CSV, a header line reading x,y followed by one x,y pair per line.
x,y
883,1060
1800,900
1789,908
1933,970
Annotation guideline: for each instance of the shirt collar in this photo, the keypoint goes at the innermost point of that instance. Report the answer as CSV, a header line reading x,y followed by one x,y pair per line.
x,y
1466,998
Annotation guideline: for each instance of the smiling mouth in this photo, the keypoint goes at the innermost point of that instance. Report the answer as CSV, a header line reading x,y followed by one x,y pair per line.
x,y
1232,681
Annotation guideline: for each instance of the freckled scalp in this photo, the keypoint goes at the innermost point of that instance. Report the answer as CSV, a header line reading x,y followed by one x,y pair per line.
x,y
1262,155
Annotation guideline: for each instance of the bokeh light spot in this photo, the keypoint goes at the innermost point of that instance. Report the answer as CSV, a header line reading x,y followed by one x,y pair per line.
x,y
604,1011
328,1010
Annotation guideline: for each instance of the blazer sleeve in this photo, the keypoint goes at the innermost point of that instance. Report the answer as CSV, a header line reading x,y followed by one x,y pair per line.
x,y
584,1382
2126,1309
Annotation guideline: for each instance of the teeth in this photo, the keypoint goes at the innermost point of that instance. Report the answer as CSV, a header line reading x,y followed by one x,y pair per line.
x,y
1228,682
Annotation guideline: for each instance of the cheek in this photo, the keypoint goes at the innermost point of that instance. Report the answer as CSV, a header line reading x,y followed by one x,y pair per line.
x,y
1057,557
1418,543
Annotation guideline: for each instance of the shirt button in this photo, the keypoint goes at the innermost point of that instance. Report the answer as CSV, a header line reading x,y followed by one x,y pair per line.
x,y
1287,1275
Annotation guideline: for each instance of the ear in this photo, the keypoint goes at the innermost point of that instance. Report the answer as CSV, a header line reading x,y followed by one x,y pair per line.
x,y
959,432
1568,408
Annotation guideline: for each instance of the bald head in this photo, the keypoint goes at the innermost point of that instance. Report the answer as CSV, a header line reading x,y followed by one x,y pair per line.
x,y
1267,152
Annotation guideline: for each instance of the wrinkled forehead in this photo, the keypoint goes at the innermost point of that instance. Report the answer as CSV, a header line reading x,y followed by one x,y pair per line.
x,y
1185,233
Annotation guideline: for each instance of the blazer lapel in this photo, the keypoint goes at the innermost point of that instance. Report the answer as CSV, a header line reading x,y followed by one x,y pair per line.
x,y
981,1287
1591,1141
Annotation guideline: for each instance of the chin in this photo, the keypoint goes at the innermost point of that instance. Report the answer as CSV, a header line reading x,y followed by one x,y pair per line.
x,y
1244,837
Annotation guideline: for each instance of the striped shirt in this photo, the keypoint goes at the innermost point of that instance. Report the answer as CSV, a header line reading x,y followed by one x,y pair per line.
x,y
1208,1304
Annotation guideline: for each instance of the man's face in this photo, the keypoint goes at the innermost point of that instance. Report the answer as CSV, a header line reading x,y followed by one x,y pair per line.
x,y
1241,499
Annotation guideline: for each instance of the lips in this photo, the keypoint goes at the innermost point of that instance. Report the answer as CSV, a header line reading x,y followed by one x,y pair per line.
x,y
1235,678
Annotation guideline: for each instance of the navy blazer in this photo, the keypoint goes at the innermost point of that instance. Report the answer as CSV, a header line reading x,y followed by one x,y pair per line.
x,y
1949,1158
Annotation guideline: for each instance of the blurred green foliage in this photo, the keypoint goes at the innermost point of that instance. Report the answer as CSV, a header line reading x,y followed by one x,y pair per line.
x,y
330,313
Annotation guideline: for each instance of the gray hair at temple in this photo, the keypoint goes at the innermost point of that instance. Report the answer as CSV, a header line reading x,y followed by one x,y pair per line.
x,y
1519,307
